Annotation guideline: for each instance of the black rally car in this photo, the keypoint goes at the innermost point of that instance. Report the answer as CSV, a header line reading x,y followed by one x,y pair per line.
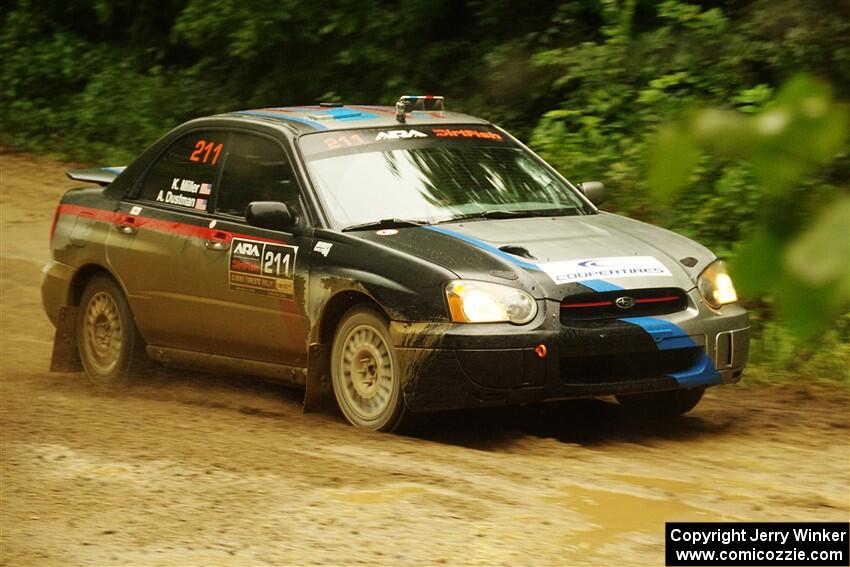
x,y
404,258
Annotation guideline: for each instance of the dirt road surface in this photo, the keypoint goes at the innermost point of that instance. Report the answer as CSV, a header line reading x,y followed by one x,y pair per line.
x,y
191,469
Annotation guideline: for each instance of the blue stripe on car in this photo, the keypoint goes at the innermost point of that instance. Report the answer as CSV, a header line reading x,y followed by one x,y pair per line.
x,y
668,336
484,246
345,114
280,116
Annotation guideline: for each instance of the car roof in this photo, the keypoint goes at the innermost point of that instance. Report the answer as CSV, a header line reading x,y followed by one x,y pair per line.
x,y
305,119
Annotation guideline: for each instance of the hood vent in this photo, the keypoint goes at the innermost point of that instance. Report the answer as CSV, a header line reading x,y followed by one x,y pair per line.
x,y
517,251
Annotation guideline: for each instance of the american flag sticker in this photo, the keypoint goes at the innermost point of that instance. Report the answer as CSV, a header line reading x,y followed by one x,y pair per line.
x,y
201,204
206,189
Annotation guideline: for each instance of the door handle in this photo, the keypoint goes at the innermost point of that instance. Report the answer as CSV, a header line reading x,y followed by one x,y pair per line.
x,y
218,241
127,225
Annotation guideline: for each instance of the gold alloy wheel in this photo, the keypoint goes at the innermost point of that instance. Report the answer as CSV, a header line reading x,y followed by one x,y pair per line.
x,y
102,333
366,372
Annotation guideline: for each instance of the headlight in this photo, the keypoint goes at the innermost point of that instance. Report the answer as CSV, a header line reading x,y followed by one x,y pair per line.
x,y
483,302
715,285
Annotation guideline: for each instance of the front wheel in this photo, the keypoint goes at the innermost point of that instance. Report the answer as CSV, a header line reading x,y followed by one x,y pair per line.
x,y
107,339
365,371
670,403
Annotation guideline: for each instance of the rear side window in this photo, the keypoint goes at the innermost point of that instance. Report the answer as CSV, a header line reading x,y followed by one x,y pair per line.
x,y
184,175
256,169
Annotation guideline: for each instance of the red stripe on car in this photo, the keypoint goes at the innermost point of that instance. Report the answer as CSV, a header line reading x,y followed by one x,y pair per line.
x,y
159,225
657,299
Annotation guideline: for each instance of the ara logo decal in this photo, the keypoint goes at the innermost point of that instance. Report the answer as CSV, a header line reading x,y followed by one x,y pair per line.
x,y
399,135
246,249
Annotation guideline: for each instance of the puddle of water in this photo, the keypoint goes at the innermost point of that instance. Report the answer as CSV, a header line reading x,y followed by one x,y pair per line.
x,y
378,496
610,515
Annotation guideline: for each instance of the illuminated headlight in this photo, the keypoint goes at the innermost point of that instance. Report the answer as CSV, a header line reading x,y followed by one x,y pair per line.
x,y
715,285
483,302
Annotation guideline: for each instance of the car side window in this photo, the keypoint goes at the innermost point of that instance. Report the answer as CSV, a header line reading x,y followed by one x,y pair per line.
x,y
183,176
256,169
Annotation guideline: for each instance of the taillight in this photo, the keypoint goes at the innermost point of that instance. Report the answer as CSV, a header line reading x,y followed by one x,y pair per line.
x,y
53,226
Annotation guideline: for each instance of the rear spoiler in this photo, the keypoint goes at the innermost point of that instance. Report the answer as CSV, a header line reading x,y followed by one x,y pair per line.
x,y
100,175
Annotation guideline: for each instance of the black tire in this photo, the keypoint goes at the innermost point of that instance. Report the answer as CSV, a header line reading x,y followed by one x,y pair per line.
x,y
107,339
365,371
662,404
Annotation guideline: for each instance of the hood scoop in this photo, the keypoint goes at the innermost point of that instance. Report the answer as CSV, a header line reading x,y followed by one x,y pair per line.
x,y
517,251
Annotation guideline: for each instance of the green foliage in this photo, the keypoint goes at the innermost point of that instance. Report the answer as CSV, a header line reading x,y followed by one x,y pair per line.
x,y
799,251
776,356
64,65
603,89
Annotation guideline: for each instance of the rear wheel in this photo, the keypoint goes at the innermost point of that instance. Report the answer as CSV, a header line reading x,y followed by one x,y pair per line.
x,y
365,371
106,334
670,403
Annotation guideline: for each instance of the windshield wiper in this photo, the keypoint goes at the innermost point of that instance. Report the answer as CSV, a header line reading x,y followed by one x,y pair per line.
x,y
502,214
385,223
491,214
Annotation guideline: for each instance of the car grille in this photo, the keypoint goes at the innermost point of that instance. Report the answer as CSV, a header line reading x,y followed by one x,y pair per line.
x,y
646,302
626,367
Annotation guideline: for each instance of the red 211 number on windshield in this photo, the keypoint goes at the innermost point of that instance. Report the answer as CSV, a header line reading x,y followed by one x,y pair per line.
x,y
204,150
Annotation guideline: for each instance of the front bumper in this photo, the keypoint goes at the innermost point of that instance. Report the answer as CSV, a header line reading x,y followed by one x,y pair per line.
x,y
448,366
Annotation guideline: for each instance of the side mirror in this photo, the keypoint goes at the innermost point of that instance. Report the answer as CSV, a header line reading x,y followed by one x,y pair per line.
x,y
272,215
595,191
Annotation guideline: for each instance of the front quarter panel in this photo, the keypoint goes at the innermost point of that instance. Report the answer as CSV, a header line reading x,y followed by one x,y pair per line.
x,y
408,288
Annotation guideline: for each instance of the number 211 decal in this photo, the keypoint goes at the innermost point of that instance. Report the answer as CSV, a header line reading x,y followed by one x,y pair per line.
x,y
205,150
262,267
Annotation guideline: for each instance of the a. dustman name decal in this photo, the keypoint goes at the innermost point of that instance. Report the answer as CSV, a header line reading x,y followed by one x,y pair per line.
x,y
177,194
567,271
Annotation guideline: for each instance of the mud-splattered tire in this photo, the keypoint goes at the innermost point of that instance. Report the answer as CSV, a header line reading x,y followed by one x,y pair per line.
x,y
365,371
107,339
662,404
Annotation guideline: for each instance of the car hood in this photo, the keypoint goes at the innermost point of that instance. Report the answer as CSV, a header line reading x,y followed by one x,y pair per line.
x,y
557,256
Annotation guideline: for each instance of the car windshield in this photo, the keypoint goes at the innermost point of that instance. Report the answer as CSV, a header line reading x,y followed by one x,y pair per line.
x,y
428,175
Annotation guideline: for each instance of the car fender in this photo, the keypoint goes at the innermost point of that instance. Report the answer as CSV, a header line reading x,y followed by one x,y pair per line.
x,y
404,286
